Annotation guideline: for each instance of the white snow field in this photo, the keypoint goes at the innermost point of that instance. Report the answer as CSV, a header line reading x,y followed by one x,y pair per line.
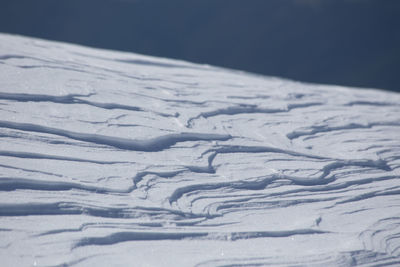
x,y
118,159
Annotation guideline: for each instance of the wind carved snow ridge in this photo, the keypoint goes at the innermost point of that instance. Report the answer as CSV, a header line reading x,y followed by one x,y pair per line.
x,y
150,145
227,149
321,180
30,170
11,184
63,99
157,64
325,128
348,258
76,208
248,109
246,149
74,99
152,236
30,155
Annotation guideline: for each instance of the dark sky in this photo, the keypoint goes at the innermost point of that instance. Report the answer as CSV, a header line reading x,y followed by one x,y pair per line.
x,y
346,42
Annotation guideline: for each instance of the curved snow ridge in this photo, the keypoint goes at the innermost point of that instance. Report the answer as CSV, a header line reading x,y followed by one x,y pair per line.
x,y
74,99
263,182
23,97
30,155
151,236
11,184
140,175
7,57
248,109
373,194
351,258
318,194
39,172
372,103
71,208
171,174
149,145
157,64
383,236
231,149
325,129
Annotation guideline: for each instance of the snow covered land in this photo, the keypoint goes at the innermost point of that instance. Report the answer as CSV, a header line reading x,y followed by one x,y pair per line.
x,y
118,159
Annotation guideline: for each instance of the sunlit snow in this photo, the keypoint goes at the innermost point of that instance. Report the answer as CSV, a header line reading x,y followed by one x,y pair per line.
x,y
118,159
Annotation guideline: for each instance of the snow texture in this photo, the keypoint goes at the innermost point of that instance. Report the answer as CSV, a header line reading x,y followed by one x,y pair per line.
x,y
117,159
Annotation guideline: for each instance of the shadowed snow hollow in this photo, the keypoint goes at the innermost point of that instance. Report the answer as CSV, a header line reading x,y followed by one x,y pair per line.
x,y
111,158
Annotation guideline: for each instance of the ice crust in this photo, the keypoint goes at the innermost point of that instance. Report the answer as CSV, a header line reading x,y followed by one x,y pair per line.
x,y
118,159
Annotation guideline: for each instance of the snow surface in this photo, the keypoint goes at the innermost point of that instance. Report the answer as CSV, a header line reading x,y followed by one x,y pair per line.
x,y
117,159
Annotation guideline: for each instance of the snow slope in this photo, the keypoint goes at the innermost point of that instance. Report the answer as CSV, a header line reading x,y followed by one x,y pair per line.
x,y
117,159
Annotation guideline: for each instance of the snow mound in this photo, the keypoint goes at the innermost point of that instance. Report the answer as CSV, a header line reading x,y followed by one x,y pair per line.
x,y
111,158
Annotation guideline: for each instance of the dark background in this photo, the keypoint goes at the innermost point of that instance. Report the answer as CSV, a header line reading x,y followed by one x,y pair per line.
x,y
345,42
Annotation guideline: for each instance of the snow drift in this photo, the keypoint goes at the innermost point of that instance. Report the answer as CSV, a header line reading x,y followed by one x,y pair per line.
x,y
117,159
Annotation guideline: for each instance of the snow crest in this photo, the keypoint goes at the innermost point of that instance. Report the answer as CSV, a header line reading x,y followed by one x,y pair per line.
x,y
111,158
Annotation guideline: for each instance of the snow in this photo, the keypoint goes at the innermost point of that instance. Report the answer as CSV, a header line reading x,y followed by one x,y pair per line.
x,y
118,159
